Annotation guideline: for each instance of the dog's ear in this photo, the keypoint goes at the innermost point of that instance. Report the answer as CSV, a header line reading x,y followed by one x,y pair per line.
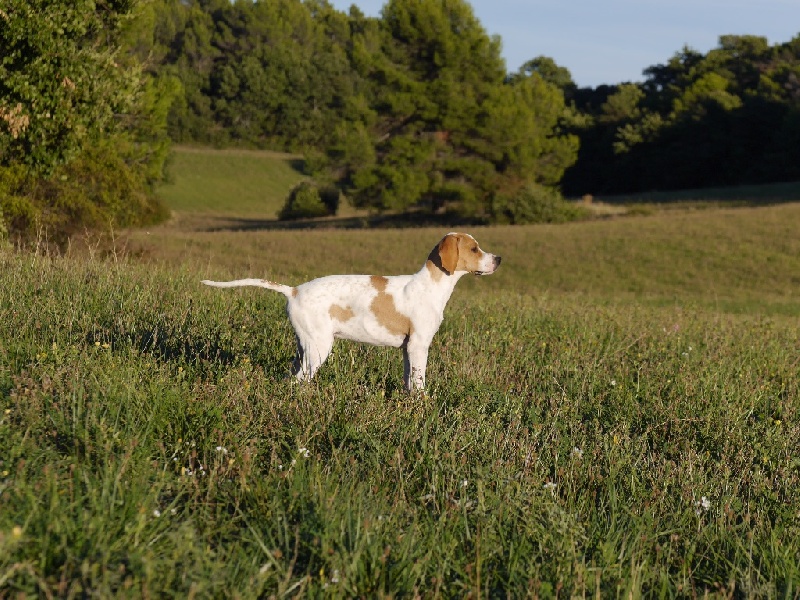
x,y
448,253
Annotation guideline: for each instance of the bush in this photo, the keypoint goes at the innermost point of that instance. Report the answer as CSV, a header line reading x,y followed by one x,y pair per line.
x,y
330,198
305,201
535,204
96,190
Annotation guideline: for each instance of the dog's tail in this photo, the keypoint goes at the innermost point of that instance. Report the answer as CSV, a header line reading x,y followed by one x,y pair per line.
x,y
286,290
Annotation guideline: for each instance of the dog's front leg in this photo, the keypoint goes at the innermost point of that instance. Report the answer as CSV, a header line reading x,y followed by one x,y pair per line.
x,y
415,360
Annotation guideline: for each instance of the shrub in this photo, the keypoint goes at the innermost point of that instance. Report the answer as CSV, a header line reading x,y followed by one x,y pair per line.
x,y
305,201
330,196
535,204
100,188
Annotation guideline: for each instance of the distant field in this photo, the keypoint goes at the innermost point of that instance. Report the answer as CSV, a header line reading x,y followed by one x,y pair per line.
x,y
229,182
615,413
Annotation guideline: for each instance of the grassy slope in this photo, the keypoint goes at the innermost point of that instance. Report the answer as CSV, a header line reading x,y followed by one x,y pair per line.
x,y
611,412
229,182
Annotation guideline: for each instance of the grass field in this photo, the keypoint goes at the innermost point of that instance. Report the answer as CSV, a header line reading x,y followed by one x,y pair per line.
x,y
229,182
614,413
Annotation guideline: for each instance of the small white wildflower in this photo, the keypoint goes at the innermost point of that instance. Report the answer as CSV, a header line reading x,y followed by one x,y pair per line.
x,y
156,513
577,452
464,483
173,511
222,449
550,486
280,467
613,382
335,576
702,505
304,452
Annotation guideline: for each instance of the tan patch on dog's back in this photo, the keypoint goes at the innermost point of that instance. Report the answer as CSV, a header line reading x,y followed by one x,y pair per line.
x,y
378,282
385,311
341,313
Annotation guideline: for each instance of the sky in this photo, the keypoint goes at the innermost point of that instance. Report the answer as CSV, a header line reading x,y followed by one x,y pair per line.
x,y
613,41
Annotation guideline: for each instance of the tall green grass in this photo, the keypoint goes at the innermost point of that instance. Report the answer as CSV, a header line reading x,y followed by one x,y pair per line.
x,y
566,447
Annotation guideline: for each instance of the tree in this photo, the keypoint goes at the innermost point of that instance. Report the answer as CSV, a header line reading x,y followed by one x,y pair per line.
x,y
442,129
727,117
82,126
60,80
551,72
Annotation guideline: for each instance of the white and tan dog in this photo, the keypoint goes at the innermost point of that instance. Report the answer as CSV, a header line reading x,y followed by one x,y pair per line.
x,y
403,311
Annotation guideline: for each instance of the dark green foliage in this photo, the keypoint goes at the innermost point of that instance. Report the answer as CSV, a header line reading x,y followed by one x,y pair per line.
x,y
82,129
268,74
415,110
725,118
444,129
330,197
96,189
305,201
60,83
534,204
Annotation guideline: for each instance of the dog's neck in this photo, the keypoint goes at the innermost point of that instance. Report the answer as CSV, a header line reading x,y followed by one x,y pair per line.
x,y
438,281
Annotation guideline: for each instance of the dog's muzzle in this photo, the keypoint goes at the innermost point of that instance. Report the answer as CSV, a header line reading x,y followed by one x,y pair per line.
x,y
495,263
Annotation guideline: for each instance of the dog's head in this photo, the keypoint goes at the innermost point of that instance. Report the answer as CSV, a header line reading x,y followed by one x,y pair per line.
x,y
460,252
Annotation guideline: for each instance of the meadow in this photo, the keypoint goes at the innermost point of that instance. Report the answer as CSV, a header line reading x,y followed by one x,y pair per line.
x,y
614,413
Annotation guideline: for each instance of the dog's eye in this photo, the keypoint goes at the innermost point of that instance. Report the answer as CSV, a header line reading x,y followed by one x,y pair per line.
x,y
475,249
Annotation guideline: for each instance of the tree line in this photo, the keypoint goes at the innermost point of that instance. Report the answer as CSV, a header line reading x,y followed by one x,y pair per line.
x,y
411,111
728,117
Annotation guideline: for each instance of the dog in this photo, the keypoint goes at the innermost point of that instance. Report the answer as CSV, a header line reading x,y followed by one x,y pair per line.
x,y
403,311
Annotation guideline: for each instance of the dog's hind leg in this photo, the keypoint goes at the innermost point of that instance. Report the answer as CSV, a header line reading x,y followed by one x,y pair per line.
x,y
311,353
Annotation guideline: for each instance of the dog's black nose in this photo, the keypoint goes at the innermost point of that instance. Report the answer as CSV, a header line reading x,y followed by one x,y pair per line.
x,y
497,260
